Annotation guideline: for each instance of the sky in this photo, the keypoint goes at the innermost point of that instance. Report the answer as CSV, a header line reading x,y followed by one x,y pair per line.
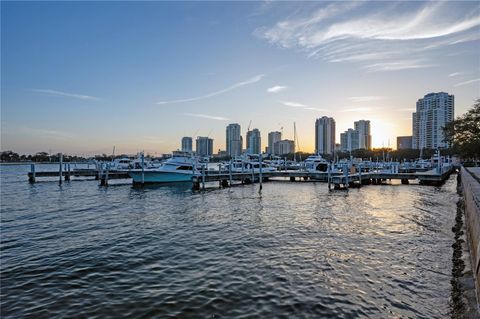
x,y
83,77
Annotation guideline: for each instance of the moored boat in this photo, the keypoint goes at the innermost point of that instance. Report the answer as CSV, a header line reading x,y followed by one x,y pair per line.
x,y
174,170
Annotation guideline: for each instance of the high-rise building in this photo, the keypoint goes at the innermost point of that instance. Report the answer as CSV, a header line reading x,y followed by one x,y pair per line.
x,y
273,137
404,142
204,146
364,137
349,140
187,144
433,112
234,140
325,135
284,147
254,142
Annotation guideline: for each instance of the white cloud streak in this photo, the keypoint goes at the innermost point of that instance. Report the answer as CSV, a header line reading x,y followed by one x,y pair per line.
x,y
467,82
379,38
65,94
276,89
252,80
397,65
455,74
206,116
298,105
293,104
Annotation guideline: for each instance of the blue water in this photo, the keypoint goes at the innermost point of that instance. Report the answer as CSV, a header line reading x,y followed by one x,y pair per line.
x,y
294,251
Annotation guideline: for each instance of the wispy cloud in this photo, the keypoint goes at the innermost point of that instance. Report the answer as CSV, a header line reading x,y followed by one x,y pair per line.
x,y
206,116
298,105
252,80
293,104
379,35
276,89
65,94
397,65
467,82
455,74
366,98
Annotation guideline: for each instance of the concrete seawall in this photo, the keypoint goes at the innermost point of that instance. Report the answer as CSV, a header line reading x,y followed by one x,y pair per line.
x,y
471,194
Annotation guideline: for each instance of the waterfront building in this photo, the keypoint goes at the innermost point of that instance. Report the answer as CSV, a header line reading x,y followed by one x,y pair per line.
x,y
324,135
233,140
364,137
254,141
273,137
433,112
187,144
404,142
204,146
283,147
349,140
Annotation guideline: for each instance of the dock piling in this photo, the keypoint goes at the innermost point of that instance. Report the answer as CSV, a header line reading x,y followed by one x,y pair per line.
x,y
329,176
260,160
230,171
60,168
31,178
143,169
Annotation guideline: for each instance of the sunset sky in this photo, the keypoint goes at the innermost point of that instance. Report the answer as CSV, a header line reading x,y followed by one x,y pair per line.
x,y
80,78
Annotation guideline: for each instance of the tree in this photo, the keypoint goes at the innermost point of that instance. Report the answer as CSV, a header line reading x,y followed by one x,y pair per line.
x,y
9,156
463,134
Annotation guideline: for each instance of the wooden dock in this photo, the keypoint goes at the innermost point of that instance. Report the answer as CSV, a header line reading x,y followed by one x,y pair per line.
x,y
66,173
337,180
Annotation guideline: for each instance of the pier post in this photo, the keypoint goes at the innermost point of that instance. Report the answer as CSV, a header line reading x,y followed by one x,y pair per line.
x,y
345,173
203,176
67,171
360,173
230,171
60,168
143,168
329,176
31,179
260,159
253,173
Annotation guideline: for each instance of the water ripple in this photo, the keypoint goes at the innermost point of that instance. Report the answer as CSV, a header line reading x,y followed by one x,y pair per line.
x,y
295,251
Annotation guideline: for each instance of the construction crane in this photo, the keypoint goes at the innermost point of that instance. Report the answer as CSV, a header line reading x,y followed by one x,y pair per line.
x,y
249,124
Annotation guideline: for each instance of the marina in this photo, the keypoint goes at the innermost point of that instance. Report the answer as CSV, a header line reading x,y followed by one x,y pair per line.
x,y
199,174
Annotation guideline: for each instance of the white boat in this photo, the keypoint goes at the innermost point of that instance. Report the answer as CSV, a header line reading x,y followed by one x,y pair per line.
x,y
240,165
315,164
175,169
120,164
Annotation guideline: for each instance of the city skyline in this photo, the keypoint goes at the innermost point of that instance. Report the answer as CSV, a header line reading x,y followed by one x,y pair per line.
x,y
190,69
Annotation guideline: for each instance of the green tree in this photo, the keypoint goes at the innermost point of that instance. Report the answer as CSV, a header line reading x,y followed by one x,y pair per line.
x,y
463,134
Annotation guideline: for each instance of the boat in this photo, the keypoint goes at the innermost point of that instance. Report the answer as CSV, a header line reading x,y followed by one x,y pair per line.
x,y
315,164
120,164
245,164
175,169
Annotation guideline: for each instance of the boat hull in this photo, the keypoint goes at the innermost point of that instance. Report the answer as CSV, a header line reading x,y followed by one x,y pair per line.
x,y
151,177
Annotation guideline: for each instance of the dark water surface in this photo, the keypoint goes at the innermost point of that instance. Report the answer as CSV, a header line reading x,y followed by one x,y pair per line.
x,y
294,251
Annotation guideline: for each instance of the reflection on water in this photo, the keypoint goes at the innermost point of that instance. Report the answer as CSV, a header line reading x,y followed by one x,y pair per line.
x,y
294,250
